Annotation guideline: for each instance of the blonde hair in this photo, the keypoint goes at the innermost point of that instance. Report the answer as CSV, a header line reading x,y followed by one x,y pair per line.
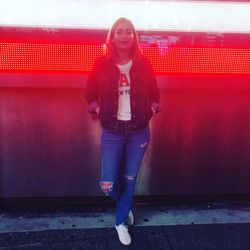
x,y
111,49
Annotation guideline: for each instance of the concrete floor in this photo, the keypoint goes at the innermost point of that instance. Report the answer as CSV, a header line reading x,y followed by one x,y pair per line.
x,y
26,219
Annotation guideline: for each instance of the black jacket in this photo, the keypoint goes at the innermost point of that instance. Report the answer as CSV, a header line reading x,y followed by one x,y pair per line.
x,y
102,91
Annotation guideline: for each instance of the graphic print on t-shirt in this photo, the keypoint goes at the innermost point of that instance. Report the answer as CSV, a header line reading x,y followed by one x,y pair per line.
x,y
123,83
124,110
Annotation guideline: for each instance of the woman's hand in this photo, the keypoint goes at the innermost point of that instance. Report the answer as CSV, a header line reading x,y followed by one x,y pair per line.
x,y
153,110
155,107
97,110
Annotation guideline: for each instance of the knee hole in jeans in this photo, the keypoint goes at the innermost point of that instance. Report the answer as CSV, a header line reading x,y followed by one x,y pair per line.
x,y
106,186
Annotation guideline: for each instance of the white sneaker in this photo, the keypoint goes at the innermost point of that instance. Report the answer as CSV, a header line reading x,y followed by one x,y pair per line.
x,y
123,234
131,218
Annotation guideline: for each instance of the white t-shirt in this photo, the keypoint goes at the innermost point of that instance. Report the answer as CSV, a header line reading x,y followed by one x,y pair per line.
x,y
124,110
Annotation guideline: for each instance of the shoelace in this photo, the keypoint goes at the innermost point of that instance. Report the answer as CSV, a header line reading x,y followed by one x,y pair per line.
x,y
125,229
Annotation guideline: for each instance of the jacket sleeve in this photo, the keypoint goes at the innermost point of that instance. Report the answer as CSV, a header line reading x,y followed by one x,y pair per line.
x,y
92,90
154,93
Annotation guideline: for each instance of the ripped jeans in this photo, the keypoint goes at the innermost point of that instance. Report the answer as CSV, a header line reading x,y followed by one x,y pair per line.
x,y
122,154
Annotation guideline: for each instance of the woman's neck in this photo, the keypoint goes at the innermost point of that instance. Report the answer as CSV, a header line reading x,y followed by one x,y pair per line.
x,y
122,57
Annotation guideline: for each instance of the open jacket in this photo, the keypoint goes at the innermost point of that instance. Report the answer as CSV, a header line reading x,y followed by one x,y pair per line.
x,y
102,91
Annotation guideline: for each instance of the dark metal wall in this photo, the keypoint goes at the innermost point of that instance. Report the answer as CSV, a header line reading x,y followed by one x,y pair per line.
x,y
50,145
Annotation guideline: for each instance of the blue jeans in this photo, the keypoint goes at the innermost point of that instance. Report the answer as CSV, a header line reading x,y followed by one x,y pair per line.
x,y
122,154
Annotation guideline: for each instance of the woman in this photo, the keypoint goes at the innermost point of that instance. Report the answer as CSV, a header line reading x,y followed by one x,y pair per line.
x,y
122,91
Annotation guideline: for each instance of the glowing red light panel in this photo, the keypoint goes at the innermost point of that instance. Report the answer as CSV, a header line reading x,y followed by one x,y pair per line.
x,y
48,57
200,60
80,58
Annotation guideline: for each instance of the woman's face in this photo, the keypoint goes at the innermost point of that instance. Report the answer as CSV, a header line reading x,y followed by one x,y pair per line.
x,y
123,36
